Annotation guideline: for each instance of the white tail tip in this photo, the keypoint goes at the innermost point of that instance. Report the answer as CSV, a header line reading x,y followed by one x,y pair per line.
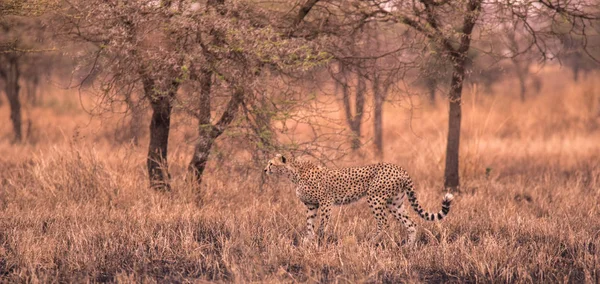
x,y
448,197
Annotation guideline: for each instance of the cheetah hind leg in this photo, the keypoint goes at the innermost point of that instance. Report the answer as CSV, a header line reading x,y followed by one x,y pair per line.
x,y
378,210
396,207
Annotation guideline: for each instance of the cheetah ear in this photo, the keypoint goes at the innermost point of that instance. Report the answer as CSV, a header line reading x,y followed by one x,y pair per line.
x,y
283,159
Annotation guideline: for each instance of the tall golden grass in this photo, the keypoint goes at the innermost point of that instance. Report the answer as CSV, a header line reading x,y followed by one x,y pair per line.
x,y
75,207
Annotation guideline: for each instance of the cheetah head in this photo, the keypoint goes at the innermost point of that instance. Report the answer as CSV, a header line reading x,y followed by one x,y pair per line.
x,y
276,165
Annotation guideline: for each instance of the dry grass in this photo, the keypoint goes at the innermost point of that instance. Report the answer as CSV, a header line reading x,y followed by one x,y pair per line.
x,y
75,207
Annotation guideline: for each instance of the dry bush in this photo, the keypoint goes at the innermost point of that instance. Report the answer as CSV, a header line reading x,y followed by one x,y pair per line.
x,y
77,208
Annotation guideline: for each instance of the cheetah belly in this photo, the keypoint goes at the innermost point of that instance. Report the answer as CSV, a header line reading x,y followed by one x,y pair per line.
x,y
351,196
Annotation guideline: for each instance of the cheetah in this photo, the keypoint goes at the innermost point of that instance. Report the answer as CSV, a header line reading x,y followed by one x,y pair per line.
x,y
384,184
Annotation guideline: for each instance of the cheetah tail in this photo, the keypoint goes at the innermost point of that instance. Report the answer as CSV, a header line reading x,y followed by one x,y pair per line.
x,y
446,202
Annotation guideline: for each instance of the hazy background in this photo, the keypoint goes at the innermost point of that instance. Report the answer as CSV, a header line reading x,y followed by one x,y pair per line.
x,y
78,202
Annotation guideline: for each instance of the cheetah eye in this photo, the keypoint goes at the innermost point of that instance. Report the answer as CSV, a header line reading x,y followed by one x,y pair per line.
x,y
283,159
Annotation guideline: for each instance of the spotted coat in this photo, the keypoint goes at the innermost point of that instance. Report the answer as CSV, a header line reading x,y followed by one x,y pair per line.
x,y
386,186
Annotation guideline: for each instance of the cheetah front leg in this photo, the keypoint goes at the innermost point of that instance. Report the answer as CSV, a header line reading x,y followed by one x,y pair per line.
x,y
311,214
325,214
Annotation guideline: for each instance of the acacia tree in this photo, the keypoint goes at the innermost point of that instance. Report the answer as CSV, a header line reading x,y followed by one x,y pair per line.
x,y
521,62
362,65
225,50
380,72
455,26
216,49
577,54
236,43
354,117
130,50
391,61
21,46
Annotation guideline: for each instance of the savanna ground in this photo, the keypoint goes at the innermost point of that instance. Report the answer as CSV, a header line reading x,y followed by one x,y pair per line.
x,y
75,206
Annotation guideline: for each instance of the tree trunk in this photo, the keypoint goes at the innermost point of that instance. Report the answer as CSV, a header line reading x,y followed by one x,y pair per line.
x,y
204,144
304,9
32,89
208,132
360,106
522,86
575,60
431,86
378,126
379,94
135,125
135,121
522,76
159,142
354,120
200,158
458,57
159,136
451,174
12,89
